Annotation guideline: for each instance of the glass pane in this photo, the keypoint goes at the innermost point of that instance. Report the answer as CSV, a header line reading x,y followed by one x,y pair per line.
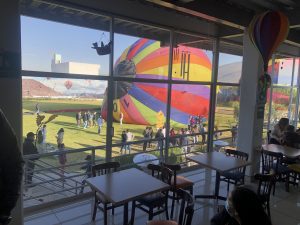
x,y
57,47
77,104
230,68
280,104
283,70
227,113
140,51
192,58
137,106
188,119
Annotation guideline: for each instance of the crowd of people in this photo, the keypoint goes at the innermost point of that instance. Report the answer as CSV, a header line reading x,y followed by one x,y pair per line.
x,y
285,134
89,119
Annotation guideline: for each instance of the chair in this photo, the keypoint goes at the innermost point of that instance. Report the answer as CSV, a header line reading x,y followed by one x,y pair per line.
x,y
265,184
237,176
98,170
272,163
156,200
178,182
186,211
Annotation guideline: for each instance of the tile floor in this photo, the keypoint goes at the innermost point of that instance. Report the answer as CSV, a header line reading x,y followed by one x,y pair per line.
x,y
285,207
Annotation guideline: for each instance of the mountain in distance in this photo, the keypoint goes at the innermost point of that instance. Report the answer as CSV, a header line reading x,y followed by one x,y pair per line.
x,y
34,88
230,73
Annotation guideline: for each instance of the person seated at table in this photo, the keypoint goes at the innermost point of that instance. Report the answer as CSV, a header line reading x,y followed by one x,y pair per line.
x,y
242,207
277,133
291,138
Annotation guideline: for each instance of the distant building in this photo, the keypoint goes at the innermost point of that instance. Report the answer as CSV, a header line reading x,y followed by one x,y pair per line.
x,y
73,67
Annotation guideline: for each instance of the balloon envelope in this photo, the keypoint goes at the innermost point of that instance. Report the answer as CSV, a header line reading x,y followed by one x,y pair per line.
x,y
68,84
141,101
267,31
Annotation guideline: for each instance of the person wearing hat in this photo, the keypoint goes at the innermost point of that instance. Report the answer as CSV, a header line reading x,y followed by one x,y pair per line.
x,y
30,149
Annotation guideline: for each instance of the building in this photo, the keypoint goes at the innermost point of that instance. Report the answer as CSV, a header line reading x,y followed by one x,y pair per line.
x,y
58,66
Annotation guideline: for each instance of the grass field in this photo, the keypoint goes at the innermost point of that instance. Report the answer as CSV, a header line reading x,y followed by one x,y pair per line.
x,y
77,137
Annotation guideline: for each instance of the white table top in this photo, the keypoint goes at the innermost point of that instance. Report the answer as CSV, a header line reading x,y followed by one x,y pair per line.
x,y
144,159
221,143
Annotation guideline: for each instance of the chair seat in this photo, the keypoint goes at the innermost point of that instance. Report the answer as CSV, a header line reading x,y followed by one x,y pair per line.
x,y
162,222
280,170
182,182
236,175
295,167
153,199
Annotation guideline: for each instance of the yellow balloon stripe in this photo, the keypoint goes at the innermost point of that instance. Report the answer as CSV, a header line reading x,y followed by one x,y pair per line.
x,y
141,55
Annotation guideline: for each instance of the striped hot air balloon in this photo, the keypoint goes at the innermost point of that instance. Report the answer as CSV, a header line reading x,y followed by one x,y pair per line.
x,y
140,102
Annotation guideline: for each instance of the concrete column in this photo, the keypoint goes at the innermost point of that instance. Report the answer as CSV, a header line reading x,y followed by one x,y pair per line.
x,y
251,115
10,78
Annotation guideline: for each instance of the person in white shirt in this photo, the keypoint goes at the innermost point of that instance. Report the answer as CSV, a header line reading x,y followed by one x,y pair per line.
x,y
100,123
130,137
277,133
121,118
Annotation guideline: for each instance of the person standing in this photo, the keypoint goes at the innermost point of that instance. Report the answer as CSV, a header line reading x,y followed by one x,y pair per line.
x,y
146,134
89,119
44,133
11,169
94,119
60,136
85,120
62,158
30,149
130,137
121,118
160,142
100,123
78,119
123,141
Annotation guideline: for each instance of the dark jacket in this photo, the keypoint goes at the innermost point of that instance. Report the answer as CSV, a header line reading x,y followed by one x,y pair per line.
x,y
11,167
29,148
223,218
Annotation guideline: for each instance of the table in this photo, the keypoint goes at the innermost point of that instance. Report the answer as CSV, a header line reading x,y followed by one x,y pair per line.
x,y
219,144
285,150
144,159
125,186
221,163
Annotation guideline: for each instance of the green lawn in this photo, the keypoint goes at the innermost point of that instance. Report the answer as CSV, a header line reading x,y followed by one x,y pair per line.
x,y
77,137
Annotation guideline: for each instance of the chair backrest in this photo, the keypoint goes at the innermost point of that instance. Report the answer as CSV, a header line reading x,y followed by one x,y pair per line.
x,y
240,155
186,208
174,168
104,168
155,170
265,185
166,175
269,136
270,161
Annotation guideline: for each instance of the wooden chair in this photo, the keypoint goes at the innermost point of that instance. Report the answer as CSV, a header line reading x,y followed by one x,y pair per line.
x,y
272,163
237,176
265,184
156,203
98,170
186,211
178,182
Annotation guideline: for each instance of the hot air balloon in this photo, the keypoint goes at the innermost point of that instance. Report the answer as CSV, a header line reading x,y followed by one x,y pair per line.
x,y
140,102
267,31
68,84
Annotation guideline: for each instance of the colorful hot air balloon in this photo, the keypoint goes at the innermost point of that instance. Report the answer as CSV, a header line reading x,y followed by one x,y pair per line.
x,y
140,102
267,31
68,84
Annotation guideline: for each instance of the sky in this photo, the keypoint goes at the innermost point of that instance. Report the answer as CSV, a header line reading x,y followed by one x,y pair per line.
x,y
42,38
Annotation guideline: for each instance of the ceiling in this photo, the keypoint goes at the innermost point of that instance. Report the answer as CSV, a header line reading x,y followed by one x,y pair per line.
x,y
225,19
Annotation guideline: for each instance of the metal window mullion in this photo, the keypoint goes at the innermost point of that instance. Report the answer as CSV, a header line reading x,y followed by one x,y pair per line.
x,y
168,113
271,93
110,97
297,96
291,90
213,88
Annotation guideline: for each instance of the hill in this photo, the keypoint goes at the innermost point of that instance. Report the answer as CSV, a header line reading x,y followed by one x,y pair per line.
x,y
34,88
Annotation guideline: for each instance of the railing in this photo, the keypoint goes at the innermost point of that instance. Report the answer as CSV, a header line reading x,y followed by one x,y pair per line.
x,y
53,181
